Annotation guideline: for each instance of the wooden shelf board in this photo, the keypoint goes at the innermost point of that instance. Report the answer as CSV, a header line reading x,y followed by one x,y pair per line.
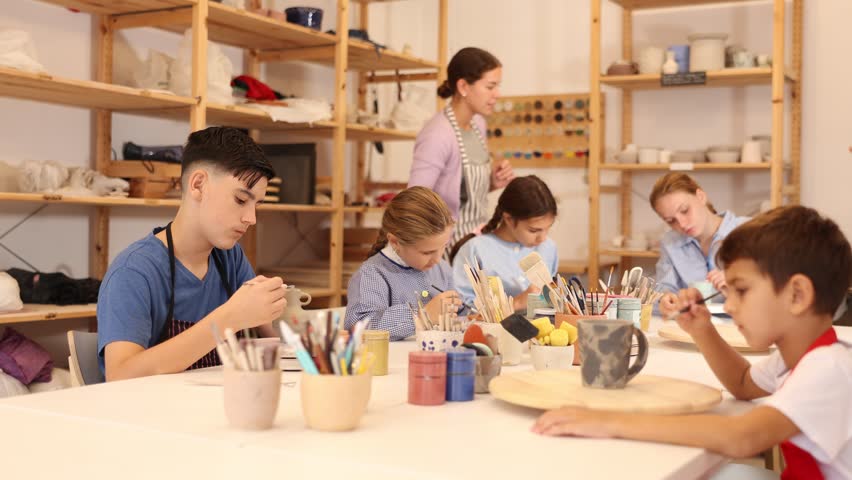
x,y
361,209
630,253
731,77
114,7
46,88
248,117
548,163
240,28
41,313
142,202
695,166
649,4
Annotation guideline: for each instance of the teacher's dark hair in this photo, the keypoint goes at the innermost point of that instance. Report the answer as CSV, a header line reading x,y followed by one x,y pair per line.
x,y
470,64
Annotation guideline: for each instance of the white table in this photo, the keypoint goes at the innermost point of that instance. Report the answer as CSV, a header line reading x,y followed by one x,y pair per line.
x,y
173,426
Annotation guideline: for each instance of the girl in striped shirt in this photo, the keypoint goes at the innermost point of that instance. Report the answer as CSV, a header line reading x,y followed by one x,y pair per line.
x,y
405,265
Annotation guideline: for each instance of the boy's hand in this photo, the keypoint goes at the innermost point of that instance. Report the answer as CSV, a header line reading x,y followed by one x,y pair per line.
x,y
697,318
579,422
669,305
717,278
257,302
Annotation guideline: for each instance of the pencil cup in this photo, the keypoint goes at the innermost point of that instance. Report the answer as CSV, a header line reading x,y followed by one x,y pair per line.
x,y
461,374
377,343
645,317
630,309
510,347
486,369
438,340
548,357
573,320
334,403
427,378
251,398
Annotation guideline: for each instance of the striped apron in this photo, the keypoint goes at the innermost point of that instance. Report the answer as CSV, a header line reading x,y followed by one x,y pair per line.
x,y
475,184
175,327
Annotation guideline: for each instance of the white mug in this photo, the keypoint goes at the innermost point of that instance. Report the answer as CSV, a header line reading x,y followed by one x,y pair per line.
x,y
665,156
651,60
649,155
751,152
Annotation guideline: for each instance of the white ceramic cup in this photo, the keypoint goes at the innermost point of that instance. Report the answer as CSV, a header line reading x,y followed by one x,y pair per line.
x,y
649,155
665,156
651,60
751,152
546,357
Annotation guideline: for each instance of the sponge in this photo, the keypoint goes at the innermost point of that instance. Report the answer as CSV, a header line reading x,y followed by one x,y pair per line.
x,y
474,334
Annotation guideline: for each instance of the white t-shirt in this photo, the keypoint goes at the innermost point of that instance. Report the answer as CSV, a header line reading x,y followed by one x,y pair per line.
x,y
818,399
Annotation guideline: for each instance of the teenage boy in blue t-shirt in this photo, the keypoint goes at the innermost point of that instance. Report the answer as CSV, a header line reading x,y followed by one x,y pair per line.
x,y
163,295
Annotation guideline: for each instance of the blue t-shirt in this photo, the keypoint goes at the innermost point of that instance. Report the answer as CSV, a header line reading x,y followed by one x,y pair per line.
x,y
500,259
133,301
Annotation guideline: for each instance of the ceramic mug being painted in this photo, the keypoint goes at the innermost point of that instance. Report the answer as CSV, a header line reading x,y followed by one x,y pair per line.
x,y
606,348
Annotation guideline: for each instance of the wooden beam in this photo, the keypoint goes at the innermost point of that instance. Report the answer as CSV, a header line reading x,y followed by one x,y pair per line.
x,y
251,66
402,77
99,218
796,104
443,48
370,186
198,112
163,18
361,147
338,158
298,54
776,172
610,189
595,147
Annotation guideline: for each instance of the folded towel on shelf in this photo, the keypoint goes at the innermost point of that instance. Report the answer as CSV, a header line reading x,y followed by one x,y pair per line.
x,y
298,110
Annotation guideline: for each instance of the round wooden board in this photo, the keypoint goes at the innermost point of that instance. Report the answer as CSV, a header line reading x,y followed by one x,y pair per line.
x,y
547,389
729,333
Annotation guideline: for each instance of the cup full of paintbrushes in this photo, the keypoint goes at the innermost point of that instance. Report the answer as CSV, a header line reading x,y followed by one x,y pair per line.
x,y
252,382
437,334
336,378
335,403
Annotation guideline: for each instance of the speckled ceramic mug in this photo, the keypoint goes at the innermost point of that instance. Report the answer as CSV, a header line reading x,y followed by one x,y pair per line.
x,y
606,346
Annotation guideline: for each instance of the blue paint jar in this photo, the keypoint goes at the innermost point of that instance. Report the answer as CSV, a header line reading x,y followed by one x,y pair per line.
x,y
681,53
461,374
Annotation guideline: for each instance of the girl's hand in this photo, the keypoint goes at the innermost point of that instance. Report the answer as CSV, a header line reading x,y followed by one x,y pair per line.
x,y
717,278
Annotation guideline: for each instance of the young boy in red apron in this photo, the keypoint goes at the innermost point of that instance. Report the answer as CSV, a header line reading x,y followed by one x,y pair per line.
x,y
163,295
787,271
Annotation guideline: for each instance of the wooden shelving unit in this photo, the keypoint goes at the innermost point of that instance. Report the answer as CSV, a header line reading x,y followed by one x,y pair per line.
x,y
41,313
265,40
778,76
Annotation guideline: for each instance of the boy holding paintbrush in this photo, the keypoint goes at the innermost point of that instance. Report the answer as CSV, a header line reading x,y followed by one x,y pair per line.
x,y
787,271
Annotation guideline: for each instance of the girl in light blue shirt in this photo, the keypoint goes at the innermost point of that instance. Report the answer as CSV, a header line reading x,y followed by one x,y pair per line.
x,y
688,251
525,212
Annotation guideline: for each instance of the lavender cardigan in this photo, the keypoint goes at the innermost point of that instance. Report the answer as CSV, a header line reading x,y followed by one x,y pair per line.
x,y
437,160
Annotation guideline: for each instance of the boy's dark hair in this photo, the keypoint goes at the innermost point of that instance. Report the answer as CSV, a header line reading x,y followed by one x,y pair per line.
x,y
790,240
229,150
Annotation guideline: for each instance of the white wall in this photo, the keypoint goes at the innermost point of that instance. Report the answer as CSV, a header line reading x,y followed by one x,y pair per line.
x,y
544,50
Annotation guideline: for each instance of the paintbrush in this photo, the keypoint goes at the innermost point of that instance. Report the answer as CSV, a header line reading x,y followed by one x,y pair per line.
x,y
699,302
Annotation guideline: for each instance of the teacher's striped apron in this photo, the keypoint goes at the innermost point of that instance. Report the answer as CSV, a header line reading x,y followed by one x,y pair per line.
x,y
475,184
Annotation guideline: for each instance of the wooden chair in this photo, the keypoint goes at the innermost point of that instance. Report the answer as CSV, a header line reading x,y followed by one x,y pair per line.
x,y
83,358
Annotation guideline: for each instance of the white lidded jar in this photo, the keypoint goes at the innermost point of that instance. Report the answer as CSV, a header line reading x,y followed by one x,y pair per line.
x,y
707,51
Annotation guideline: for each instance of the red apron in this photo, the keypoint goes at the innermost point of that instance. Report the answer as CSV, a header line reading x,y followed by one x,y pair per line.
x,y
800,464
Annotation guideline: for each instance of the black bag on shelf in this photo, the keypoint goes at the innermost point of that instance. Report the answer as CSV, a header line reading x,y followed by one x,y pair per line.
x,y
171,154
55,288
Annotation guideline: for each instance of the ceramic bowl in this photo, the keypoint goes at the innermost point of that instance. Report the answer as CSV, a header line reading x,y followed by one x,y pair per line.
x,y
305,16
723,156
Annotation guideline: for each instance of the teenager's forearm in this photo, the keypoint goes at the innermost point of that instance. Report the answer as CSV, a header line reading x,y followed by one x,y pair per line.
x,y
176,354
728,365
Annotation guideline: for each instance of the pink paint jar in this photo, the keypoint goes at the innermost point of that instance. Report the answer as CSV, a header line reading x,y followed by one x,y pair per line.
x,y
427,378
